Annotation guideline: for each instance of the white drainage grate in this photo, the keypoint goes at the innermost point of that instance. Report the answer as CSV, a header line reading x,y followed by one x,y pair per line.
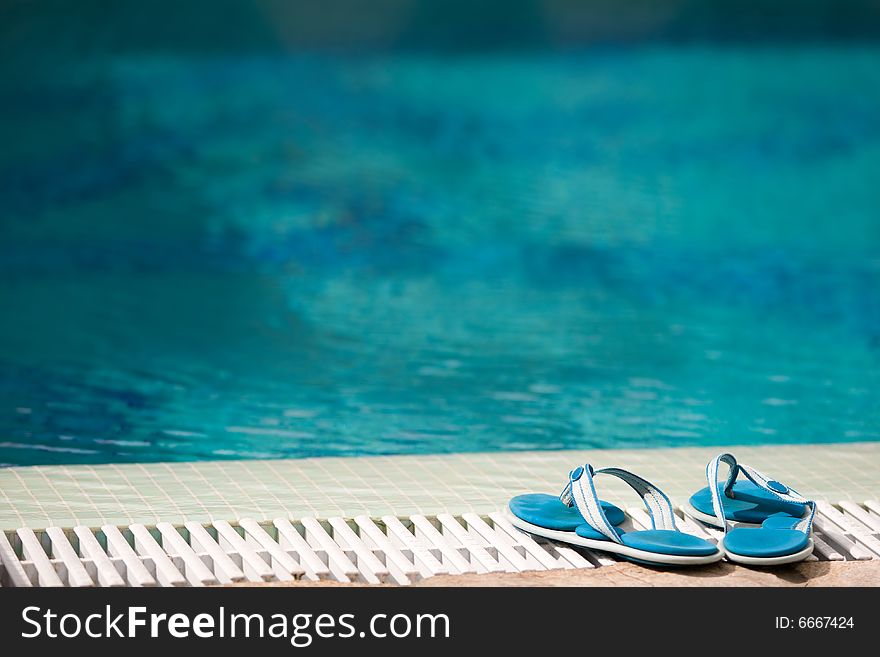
x,y
363,549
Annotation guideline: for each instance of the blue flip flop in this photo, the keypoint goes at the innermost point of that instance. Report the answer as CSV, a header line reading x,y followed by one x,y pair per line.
x,y
781,518
744,503
579,517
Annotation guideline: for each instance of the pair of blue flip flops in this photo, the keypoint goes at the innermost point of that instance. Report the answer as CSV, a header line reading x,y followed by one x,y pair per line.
x,y
781,519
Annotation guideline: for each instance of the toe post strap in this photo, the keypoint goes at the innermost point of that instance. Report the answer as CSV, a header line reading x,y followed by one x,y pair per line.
x,y
580,491
775,488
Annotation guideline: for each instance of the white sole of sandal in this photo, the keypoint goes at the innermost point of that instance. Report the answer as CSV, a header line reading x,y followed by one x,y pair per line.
x,y
771,561
615,548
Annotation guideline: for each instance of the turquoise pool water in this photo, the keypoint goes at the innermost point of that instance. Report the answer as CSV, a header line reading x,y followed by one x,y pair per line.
x,y
276,255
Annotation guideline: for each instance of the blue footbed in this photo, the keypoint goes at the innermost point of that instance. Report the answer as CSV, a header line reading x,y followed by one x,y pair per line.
x,y
762,542
667,541
780,521
548,512
776,537
749,503
659,541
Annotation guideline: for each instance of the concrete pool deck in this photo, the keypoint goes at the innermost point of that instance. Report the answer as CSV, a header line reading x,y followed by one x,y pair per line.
x,y
804,574
65,496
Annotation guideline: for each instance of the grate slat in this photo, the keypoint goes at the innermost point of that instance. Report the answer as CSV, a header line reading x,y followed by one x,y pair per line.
x,y
449,547
33,550
286,568
225,569
854,522
195,570
255,568
572,556
14,571
63,550
367,562
399,564
315,567
91,549
527,543
837,539
428,561
506,547
868,521
136,572
340,565
167,573
481,557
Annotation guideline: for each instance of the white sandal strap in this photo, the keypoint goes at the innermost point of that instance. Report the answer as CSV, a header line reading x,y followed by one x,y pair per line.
x,y
775,488
581,493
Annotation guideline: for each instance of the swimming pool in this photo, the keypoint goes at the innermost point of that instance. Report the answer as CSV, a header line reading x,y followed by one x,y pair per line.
x,y
280,255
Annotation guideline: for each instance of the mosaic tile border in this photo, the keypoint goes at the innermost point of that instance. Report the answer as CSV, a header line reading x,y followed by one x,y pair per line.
x,y
38,497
